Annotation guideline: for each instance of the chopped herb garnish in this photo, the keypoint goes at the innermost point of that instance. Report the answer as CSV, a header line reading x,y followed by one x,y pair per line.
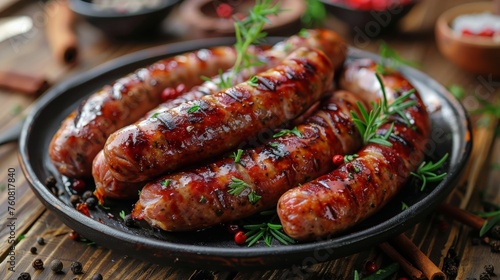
x,y
368,123
390,59
193,109
203,199
165,183
273,145
237,186
154,115
253,81
253,197
237,155
283,132
267,231
404,206
123,215
349,158
426,172
304,33
139,192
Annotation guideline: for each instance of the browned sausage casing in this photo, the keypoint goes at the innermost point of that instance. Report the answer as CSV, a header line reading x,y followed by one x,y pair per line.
x,y
200,198
83,133
356,190
326,40
217,123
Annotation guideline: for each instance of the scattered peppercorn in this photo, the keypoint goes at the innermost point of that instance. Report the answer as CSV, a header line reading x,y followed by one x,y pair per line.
x,y
40,241
73,235
490,269
37,264
240,238
56,265
495,232
495,246
91,202
97,276
33,250
76,267
232,228
86,195
484,276
129,221
370,267
75,199
24,276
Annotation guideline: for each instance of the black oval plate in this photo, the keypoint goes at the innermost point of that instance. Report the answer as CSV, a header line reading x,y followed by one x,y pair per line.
x,y
214,248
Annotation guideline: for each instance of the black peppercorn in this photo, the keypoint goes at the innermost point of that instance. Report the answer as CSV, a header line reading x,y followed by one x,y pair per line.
x,y
91,202
33,250
56,265
129,221
75,199
484,276
97,276
451,270
24,276
37,264
40,240
495,246
490,269
495,232
76,267
86,195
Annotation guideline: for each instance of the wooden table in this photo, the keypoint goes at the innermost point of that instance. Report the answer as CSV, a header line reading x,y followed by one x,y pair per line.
x,y
31,54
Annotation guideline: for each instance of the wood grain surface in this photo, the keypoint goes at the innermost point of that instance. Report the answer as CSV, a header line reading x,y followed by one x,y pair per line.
x,y
437,236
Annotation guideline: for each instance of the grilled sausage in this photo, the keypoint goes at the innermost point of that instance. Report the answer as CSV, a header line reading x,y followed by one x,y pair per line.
x,y
201,197
357,189
217,123
83,133
327,41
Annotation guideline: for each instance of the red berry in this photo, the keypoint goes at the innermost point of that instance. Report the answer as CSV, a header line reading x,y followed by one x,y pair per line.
x,y
73,235
240,238
467,32
224,10
78,185
338,159
370,267
487,32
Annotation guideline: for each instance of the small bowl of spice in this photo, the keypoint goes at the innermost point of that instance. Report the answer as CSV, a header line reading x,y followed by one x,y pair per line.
x,y
469,36
124,18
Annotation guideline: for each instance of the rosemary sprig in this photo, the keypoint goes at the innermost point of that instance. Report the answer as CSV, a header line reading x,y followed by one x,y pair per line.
x,y
237,186
390,59
368,123
237,155
123,215
488,224
426,172
267,231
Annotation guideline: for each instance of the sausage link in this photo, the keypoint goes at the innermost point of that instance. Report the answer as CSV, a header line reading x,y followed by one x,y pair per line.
x,y
83,133
326,40
357,189
200,198
217,123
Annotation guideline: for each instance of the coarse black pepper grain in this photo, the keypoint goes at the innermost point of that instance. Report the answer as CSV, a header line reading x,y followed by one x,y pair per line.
x,y
40,241
490,269
33,250
91,202
484,276
24,276
97,276
86,195
56,265
495,246
495,232
74,199
37,264
76,267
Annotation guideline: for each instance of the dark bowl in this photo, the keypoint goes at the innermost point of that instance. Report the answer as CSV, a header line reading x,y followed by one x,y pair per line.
x,y
371,22
123,23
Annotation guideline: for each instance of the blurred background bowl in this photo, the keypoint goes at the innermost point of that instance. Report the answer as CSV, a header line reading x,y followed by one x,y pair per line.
x,y
383,15
133,18
475,54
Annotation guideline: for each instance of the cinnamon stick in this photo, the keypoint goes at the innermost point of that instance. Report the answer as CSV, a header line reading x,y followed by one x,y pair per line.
x,y
23,83
407,267
60,31
462,215
428,268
